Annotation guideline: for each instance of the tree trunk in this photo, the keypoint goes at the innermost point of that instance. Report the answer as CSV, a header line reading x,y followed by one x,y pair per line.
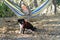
x,y
54,3
35,3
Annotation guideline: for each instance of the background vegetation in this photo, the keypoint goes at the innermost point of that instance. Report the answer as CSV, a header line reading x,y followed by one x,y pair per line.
x,y
58,2
6,12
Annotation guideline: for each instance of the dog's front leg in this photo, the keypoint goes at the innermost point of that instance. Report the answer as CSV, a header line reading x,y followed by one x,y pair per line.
x,y
23,30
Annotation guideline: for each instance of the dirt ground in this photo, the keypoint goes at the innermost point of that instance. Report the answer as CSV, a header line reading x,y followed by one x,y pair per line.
x,y
48,28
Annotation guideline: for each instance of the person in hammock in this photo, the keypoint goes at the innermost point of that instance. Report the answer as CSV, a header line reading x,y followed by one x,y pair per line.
x,y
24,8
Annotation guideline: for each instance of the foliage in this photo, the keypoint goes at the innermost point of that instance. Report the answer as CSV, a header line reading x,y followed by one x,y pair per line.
x,y
58,2
5,11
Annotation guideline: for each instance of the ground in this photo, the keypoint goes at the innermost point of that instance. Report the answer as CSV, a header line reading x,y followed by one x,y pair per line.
x,y
48,28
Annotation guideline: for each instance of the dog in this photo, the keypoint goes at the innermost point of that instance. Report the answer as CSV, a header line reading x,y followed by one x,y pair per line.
x,y
26,25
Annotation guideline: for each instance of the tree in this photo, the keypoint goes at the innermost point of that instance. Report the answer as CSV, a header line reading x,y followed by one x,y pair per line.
x,y
35,3
54,3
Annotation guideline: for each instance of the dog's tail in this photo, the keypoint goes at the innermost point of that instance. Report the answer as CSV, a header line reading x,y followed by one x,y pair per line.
x,y
34,29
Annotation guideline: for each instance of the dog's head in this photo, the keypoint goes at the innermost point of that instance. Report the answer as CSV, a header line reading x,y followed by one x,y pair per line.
x,y
21,21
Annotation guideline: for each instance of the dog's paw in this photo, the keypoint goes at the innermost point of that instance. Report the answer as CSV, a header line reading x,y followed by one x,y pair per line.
x,y
19,32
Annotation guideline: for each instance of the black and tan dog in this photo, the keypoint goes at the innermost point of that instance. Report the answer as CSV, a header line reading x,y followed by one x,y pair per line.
x,y
26,25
